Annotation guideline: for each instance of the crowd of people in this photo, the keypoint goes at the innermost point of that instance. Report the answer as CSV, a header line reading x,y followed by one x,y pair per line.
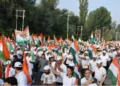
x,y
58,65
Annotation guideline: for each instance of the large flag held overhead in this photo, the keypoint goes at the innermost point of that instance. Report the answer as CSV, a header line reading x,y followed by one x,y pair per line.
x,y
19,37
114,72
22,36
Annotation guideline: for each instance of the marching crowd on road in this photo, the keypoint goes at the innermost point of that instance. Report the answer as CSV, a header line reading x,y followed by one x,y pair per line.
x,y
66,63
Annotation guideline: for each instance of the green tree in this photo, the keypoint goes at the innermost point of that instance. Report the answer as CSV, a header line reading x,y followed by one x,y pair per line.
x,y
99,18
83,11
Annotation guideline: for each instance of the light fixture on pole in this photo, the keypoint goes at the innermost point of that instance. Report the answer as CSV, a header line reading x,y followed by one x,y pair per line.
x,y
18,12
68,19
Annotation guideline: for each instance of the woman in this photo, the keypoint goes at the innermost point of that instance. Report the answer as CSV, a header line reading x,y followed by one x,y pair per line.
x,y
68,79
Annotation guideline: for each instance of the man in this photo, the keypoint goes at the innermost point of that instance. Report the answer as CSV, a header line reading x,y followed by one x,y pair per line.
x,y
29,62
42,63
20,76
60,67
19,53
93,64
9,71
11,55
48,78
100,72
88,80
85,62
104,58
69,59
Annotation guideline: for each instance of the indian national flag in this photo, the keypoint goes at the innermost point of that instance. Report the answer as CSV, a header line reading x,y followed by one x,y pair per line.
x,y
26,34
19,37
114,72
25,70
74,51
73,38
92,41
48,40
55,39
7,71
4,52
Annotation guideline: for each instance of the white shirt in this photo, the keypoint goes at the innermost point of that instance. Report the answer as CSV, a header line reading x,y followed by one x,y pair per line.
x,y
30,65
11,72
92,65
59,79
104,59
1,82
114,54
85,62
83,81
99,72
69,59
11,57
48,79
21,79
68,81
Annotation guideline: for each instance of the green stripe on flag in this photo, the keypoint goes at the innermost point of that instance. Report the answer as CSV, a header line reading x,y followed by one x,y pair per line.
x,y
2,57
112,77
74,55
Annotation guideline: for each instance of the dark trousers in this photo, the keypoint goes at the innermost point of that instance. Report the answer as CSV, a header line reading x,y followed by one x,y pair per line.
x,y
59,84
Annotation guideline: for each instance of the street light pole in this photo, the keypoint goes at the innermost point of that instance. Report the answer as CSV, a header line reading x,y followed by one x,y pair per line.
x,y
67,25
23,19
18,15
81,31
16,18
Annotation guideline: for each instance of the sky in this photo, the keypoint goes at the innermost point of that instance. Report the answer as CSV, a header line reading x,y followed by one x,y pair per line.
x,y
113,7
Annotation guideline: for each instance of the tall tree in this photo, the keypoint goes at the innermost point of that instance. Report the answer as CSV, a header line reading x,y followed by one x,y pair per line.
x,y
83,11
99,18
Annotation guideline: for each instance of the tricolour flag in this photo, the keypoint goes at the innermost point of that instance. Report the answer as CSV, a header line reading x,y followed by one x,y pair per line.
x,y
55,39
19,37
4,52
114,72
92,40
74,51
25,70
7,71
26,34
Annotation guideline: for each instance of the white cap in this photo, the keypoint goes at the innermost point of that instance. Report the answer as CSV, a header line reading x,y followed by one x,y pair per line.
x,y
47,67
59,58
99,62
12,51
104,51
18,64
72,64
97,46
86,52
8,62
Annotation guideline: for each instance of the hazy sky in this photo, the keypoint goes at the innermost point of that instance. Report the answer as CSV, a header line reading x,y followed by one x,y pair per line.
x,y
112,5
